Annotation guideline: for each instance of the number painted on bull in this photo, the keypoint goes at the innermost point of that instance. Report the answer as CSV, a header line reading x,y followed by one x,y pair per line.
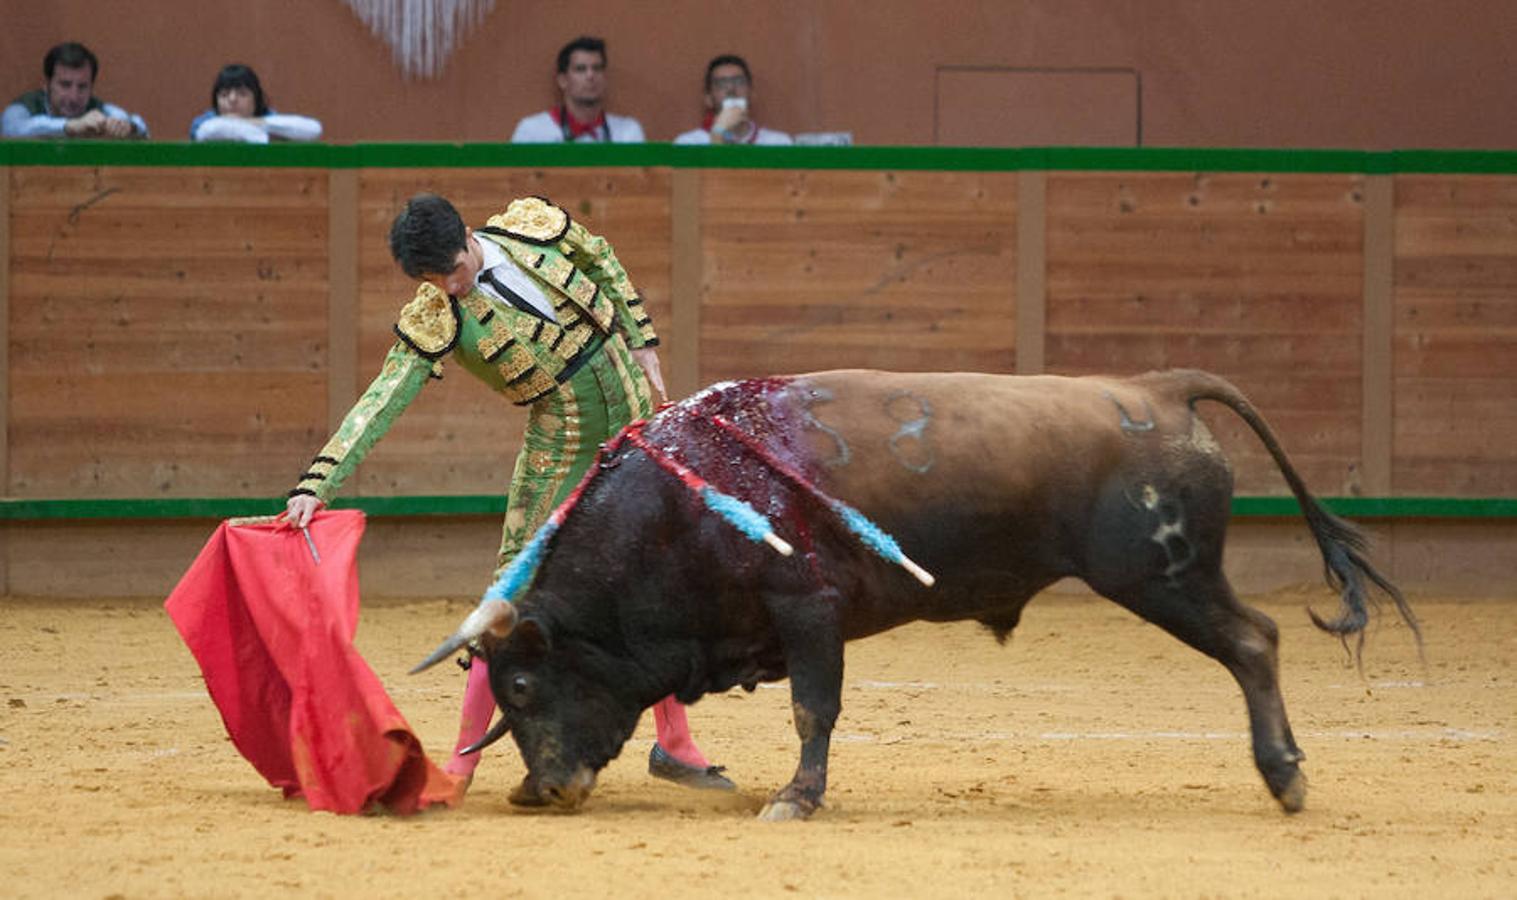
x,y
843,454
1128,424
1169,529
909,444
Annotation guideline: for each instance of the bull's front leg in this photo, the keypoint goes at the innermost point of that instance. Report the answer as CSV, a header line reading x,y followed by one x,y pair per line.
x,y
813,645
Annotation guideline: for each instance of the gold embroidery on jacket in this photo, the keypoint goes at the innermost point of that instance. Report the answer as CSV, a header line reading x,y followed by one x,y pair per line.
x,y
494,341
569,345
533,219
584,291
556,270
478,306
516,360
429,323
524,387
601,310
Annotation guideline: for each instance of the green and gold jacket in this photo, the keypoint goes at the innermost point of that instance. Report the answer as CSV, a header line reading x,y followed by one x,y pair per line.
x,y
519,355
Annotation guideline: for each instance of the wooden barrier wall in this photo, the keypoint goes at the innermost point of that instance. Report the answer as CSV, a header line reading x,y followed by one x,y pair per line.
x,y
168,329
196,331
1455,391
1253,276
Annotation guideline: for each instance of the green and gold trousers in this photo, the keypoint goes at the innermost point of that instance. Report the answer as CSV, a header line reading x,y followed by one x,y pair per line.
x,y
564,432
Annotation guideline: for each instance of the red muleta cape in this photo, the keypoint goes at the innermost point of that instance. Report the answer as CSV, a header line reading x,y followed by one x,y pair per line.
x,y
273,632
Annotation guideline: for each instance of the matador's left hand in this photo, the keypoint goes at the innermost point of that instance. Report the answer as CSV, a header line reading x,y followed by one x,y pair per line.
x,y
647,357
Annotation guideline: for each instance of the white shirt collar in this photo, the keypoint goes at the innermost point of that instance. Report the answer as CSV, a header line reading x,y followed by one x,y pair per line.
x,y
493,255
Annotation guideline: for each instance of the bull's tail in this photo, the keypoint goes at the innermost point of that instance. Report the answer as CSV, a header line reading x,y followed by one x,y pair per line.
x,y
1342,544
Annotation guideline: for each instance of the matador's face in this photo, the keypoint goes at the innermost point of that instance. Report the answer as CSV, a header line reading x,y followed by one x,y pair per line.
x,y
468,263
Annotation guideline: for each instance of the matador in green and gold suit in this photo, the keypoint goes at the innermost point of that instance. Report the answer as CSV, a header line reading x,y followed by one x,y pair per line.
x,y
574,375
544,314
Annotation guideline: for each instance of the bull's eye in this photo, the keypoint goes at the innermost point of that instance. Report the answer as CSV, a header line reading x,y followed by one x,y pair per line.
x,y
520,689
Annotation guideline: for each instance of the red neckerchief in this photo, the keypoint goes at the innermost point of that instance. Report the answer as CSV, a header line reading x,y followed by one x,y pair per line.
x,y
576,129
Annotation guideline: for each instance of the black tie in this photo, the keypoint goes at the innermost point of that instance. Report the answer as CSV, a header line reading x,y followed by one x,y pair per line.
x,y
510,296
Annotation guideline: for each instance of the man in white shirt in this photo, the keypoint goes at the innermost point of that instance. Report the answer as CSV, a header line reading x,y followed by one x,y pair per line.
x,y
729,120
66,105
581,113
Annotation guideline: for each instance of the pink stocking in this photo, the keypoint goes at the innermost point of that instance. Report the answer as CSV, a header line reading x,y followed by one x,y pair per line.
x,y
479,706
674,733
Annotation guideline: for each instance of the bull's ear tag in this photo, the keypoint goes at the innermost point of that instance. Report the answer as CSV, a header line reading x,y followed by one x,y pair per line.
x,y
530,637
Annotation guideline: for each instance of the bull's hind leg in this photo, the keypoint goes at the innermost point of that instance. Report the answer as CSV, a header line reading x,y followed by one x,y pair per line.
x,y
813,647
1202,611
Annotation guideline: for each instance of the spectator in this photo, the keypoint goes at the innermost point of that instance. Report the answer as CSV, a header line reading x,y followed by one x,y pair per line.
x,y
581,113
66,105
729,91
239,112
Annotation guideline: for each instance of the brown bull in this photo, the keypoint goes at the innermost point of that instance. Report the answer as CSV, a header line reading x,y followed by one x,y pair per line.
x,y
998,485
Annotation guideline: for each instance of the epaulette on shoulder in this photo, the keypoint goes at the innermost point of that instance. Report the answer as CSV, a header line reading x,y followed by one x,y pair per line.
x,y
534,220
429,323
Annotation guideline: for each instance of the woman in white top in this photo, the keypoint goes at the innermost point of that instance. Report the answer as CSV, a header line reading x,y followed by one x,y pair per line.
x,y
239,113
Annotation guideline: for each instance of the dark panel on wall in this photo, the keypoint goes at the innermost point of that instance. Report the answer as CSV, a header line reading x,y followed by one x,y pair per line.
x,y
889,270
1456,336
1249,276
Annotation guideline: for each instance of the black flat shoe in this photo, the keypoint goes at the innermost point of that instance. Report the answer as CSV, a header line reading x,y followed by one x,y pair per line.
x,y
662,765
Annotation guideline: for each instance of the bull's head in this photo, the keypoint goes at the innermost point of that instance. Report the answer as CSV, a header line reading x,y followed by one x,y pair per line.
x,y
566,707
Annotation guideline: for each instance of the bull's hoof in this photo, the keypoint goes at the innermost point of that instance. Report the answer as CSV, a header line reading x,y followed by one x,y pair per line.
x,y
1293,797
527,794
662,765
784,811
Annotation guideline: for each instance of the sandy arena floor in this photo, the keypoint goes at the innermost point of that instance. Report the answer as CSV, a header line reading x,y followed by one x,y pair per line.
x,y
1092,756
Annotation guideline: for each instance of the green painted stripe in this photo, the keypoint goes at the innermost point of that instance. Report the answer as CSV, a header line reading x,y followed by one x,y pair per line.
x,y
493,505
980,159
1385,507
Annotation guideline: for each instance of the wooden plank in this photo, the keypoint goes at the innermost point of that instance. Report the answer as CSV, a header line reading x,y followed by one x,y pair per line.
x,y
1379,328
1455,335
167,329
1258,278
811,270
686,283
1032,262
342,294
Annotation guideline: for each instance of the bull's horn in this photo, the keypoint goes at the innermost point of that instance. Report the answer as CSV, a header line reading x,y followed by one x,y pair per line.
x,y
495,616
496,732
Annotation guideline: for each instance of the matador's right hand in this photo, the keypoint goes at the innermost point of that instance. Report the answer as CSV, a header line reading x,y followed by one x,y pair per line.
x,y
300,508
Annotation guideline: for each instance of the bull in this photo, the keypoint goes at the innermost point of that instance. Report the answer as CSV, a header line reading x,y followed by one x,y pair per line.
x,y
999,485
